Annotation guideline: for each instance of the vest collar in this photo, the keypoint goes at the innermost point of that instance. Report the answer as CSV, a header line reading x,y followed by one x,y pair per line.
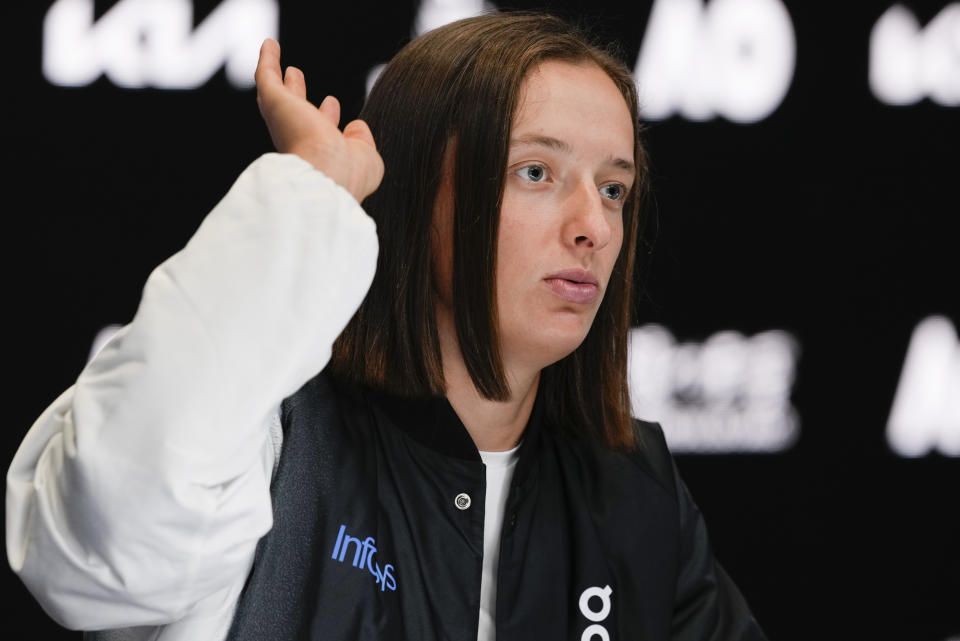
x,y
432,422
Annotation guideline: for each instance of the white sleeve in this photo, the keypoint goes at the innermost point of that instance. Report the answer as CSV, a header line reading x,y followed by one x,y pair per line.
x,y
145,487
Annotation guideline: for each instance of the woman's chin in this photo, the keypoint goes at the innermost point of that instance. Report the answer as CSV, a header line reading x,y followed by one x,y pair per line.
x,y
548,346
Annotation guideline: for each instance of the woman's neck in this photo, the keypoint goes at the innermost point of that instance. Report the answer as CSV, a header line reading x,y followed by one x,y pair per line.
x,y
494,426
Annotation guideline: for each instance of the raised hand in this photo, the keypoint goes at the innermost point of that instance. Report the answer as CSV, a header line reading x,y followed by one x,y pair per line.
x,y
296,126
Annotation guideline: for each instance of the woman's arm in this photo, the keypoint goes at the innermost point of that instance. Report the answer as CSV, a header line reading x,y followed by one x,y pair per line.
x,y
709,605
145,487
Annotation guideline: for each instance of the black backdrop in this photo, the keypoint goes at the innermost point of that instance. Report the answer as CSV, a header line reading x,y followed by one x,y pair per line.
x,y
833,218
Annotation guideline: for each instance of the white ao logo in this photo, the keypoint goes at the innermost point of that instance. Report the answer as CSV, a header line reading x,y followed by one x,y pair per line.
x,y
595,630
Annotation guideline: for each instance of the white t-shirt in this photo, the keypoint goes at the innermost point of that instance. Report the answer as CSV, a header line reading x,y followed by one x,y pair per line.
x,y
500,467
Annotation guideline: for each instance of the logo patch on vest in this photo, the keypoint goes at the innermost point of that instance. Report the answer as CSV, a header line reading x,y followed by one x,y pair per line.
x,y
597,616
363,558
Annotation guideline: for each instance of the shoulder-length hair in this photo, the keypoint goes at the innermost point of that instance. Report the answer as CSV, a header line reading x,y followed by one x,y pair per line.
x,y
461,82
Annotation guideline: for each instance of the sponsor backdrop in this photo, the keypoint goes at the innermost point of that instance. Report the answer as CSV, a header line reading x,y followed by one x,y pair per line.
x,y
797,329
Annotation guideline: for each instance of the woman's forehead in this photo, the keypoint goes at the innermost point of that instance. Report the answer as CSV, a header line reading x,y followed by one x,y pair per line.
x,y
561,101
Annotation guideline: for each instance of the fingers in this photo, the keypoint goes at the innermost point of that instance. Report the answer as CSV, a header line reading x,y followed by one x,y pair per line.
x,y
295,82
267,75
271,82
268,66
358,130
330,107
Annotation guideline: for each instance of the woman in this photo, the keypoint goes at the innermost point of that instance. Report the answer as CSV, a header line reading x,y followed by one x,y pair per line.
x,y
464,464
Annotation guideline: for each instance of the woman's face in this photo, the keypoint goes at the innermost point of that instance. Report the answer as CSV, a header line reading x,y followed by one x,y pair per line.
x,y
569,169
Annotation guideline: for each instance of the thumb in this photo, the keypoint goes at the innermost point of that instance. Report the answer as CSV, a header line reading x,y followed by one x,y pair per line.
x,y
359,130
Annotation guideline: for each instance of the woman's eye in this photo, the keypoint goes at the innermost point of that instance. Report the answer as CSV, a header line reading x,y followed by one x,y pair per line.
x,y
613,191
533,173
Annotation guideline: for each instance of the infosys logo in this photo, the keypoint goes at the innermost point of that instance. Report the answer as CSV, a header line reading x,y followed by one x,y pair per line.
x,y
363,558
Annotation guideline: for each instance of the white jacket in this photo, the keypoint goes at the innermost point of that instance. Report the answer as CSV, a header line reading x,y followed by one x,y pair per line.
x,y
138,497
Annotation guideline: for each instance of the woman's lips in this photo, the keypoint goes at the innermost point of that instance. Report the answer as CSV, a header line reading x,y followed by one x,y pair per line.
x,y
573,292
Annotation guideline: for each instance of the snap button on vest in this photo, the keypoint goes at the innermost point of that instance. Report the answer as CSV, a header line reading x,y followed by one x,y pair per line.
x,y
462,501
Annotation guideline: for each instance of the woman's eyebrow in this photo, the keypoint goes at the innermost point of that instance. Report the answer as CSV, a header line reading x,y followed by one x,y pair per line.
x,y
544,141
562,146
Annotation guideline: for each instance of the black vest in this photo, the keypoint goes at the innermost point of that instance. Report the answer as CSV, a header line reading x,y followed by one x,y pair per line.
x,y
369,541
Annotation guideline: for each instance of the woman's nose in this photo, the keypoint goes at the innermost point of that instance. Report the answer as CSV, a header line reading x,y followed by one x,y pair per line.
x,y
587,224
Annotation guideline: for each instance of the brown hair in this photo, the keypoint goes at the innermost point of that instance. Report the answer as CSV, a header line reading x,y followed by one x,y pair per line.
x,y
461,82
